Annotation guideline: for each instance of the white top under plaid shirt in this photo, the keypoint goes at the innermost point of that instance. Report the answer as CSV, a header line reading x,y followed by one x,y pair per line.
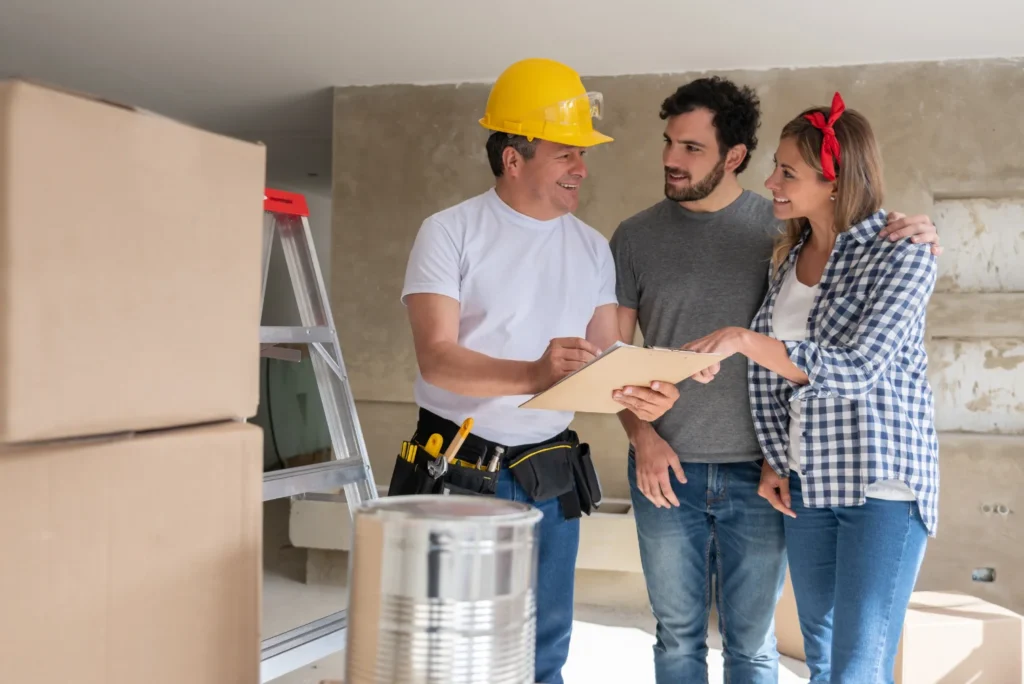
x,y
868,408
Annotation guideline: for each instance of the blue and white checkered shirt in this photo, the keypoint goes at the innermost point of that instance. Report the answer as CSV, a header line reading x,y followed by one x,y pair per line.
x,y
867,412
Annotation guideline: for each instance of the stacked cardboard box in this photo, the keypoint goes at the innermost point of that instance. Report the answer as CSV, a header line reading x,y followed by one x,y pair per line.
x,y
130,250
948,638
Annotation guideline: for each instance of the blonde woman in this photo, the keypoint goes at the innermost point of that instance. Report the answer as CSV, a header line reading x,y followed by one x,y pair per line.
x,y
840,396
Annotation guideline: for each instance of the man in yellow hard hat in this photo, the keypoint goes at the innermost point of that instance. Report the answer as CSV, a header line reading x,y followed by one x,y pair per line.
x,y
507,293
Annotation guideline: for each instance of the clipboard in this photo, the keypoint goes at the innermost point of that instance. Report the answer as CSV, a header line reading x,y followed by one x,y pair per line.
x,y
589,389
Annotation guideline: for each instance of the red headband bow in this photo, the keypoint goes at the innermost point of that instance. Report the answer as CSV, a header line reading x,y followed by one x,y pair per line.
x,y
829,145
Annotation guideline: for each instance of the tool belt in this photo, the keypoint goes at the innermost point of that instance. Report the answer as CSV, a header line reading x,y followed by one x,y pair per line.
x,y
417,472
557,468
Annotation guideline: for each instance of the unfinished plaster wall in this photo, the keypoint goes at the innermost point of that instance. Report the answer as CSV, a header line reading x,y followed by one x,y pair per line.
x,y
953,142
976,357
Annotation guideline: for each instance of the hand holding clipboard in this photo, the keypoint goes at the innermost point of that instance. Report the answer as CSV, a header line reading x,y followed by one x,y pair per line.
x,y
590,389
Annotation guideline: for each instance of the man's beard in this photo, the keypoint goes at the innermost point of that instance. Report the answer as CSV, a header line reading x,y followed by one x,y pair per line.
x,y
699,190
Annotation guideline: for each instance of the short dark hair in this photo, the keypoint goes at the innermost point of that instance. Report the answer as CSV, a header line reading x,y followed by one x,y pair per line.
x,y
736,110
496,144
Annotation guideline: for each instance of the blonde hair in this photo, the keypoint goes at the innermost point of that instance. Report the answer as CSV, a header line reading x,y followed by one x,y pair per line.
x,y
860,187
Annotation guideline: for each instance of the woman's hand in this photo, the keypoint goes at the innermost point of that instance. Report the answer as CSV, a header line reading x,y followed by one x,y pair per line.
x,y
775,489
725,341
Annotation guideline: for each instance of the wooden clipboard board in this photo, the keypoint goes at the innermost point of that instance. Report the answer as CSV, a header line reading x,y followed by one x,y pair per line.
x,y
589,390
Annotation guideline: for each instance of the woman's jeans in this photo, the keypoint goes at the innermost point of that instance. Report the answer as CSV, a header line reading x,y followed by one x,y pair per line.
x,y
853,570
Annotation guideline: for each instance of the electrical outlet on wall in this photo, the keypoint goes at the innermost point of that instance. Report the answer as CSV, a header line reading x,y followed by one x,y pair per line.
x,y
996,509
983,575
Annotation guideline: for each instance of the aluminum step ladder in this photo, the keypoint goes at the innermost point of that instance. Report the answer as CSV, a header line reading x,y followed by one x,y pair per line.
x,y
286,217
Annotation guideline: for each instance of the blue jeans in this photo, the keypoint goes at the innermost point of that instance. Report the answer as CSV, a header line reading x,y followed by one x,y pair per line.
x,y
721,528
853,570
556,572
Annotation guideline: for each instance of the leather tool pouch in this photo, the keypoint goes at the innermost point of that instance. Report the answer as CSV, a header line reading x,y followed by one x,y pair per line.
x,y
587,483
409,478
460,477
463,477
546,471
561,470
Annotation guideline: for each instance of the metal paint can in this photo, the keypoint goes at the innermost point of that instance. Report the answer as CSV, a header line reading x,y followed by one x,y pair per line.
x,y
442,590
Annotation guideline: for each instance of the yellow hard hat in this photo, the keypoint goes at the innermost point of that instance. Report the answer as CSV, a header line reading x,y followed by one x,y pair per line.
x,y
542,98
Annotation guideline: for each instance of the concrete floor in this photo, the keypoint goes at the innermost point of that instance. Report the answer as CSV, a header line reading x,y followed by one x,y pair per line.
x,y
610,643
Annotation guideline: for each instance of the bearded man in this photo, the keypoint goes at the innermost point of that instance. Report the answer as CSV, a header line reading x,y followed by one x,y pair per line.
x,y
693,263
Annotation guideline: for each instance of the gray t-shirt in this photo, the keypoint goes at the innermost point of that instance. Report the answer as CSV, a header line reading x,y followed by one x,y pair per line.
x,y
688,274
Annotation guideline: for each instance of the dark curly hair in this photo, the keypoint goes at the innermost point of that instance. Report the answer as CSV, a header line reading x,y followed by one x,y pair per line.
x,y
737,111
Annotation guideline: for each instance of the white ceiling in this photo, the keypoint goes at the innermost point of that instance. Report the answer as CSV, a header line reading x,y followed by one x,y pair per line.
x,y
258,67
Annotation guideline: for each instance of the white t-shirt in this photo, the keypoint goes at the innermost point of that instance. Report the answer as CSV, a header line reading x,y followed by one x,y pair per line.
x,y
789,322
520,282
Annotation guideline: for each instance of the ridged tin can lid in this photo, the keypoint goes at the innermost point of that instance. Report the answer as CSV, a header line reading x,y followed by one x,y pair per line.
x,y
451,508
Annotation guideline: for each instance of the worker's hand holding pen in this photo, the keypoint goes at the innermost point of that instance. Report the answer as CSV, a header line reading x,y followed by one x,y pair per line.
x,y
564,355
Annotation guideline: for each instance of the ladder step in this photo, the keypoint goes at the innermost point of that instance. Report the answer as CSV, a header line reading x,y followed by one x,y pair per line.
x,y
271,351
284,334
302,646
318,477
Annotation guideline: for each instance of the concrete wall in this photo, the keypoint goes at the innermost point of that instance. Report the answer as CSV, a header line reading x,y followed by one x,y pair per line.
x,y
953,142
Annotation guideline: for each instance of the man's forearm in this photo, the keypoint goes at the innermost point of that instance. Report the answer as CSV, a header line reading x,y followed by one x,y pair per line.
x,y
635,427
463,371
771,354
621,330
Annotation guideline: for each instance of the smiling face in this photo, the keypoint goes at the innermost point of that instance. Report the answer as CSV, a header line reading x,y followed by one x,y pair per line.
x,y
803,194
694,165
550,180
798,190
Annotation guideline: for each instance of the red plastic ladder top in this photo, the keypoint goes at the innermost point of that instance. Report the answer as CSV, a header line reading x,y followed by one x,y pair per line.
x,y
288,203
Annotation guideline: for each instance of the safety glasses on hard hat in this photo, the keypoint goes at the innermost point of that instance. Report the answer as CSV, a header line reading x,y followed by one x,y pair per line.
x,y
574,111
569,122
561,121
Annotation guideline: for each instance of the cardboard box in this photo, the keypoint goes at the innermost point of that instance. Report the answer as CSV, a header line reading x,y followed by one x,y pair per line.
x,y
947,638
130,268
608,539
133,560
952,637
